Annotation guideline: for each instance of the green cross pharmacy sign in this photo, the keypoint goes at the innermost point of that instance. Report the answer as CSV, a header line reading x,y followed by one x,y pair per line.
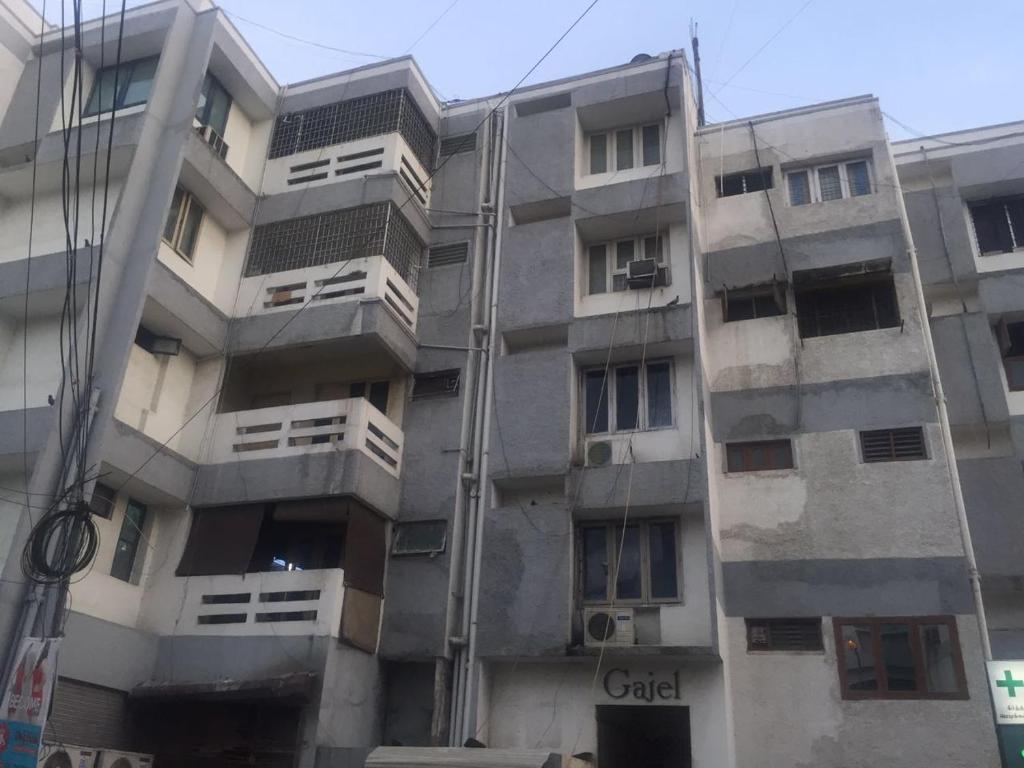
x,y
1006,679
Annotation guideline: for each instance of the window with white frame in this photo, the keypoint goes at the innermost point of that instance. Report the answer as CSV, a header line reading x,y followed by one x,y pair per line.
x,y
628,397
608,263
181,230
834,181
637,563
624,148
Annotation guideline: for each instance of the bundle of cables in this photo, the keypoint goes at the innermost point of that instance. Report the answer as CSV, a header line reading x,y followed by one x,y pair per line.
x,y
61,544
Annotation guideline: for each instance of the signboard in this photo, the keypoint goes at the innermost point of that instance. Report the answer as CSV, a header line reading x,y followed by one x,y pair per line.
x,y
1006,679
26,702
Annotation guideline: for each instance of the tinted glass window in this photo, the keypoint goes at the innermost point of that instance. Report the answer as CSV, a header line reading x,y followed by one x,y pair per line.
x,y
595,563
799,188
597,270
624,149
598,153
630,582
652,144
857,176
662,545
659,395
859,657
627,397
596,395
992,228
898,657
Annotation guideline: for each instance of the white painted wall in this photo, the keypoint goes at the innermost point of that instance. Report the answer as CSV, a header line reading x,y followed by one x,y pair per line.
x,y
48,231
11,68
551,706
789,712
43,338
689,623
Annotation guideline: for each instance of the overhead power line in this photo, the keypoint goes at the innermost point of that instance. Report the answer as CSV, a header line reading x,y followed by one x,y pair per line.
x,y
766,43
433,24
285,35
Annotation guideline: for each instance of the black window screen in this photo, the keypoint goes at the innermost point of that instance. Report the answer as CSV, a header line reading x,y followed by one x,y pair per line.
x,y
358,118
847,306
325,238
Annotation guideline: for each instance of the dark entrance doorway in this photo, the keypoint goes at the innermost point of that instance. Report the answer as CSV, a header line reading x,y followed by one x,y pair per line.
x,y
643,737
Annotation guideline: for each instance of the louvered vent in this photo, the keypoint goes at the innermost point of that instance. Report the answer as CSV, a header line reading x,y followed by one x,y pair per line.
x,y
784,634
452,145
444,255
893,444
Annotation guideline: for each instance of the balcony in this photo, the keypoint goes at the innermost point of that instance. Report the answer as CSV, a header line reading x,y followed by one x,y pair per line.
x,y
269,603
362,279
308,428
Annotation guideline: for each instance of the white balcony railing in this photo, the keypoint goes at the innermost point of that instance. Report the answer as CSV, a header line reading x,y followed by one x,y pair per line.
x,y
370,278
272,603
293,430
386,153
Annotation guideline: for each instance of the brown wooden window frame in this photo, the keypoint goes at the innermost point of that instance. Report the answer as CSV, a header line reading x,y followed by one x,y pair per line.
x,y
746,449
914,623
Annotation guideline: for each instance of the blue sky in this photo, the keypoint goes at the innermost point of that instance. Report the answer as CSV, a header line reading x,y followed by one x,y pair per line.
x,y
936,66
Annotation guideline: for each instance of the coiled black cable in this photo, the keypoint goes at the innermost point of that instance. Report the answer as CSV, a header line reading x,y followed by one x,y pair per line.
x,y
62,543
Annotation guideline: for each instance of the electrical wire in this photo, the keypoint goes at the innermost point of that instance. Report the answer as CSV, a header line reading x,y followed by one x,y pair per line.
x,y
285,35
433,24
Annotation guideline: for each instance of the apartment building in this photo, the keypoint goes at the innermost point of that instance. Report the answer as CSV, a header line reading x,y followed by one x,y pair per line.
x,y
550,421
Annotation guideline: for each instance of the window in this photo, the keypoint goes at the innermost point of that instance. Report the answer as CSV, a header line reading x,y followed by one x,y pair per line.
x,y
426,537
181,230
893,444
900,658
1011,346
758,456
436,384
846,305
767,300
376,392
628,398
625,148
784,635
756,180
134,82
828,182
126,549
608,263
647,555
214,105
999,225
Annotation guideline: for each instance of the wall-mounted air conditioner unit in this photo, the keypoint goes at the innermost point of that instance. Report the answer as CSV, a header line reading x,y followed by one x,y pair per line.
x,y
642,273
110,758
608,626
64,755
599,453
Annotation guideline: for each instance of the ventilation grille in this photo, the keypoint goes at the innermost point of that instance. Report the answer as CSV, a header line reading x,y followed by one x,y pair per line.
x,y
784,635
445,255
453,145
893,444
436,384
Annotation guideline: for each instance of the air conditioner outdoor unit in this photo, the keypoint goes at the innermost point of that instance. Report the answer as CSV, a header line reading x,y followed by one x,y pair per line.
x,y
599,453
608,626
66,756
110,758
642,273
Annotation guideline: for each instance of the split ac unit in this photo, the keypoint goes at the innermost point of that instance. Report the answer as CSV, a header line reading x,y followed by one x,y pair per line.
x,y
599,453
608,626
642,273
110,758
66,756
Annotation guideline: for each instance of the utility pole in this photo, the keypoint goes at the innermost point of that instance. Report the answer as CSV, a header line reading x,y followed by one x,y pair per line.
x,y
695,42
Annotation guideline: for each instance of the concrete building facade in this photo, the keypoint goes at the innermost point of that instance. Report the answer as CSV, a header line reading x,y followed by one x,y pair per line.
x,y
552,420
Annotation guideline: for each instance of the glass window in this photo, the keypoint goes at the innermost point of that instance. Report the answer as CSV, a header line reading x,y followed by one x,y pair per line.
x,y
624,149
422,537
651,144
171,226
379,395
799,188
140,83
900,658
597,270
858,178
595,563
127,547
134,82
214,105
596,396
181,230
659,395
627,398
190,228
102,97
599,153
623,254
829,183
629,585
992,228
653,249
662,546
847,307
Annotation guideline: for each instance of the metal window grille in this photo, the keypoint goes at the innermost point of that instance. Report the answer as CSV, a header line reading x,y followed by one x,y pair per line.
x,y
358,118
444,255
893,444
336,236
436,384
784,635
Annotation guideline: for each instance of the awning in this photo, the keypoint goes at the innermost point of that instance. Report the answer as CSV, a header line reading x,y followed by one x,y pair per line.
x,y
295,686
460,757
